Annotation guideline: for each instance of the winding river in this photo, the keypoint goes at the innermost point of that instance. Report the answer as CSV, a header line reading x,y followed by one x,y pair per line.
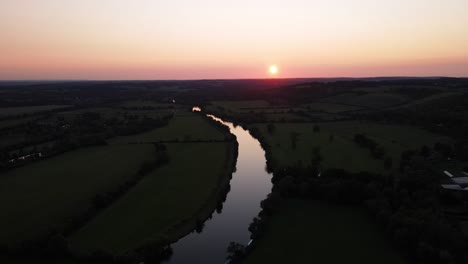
x,y
250,184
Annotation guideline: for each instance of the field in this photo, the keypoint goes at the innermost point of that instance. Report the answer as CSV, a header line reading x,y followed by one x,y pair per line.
x,y
9,123
167,203
113,112
237,106
428,100
335,140
393,138
13,111
184,126
151,104
330,108
45,195
368,100
11,139
162,202
168,200
314,232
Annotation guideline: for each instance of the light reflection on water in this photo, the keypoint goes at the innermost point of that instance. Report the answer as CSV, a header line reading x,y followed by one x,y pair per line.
x,y
250,184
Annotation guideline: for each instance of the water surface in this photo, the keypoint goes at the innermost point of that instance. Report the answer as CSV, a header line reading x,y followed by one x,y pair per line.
x,y
250,184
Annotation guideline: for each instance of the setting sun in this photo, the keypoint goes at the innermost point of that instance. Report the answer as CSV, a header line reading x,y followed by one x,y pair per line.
x,y
273,70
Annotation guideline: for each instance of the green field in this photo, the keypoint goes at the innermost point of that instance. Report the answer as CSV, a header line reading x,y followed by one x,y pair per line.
x,y
330,108
167,203
149,104
184,126
314,232
427,100
369,100
45,195
117,113
341,151
104,112
13,111
6,260
15,122
394,138
11,139
284,117
237,106
162,203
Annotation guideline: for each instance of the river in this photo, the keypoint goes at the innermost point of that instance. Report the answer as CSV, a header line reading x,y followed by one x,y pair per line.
x,y
250,184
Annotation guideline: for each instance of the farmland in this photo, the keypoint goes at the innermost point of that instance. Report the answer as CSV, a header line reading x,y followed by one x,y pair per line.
x,y
350,171
331,108
16,111
334,141
316,231
58,197
370,100
46,195
179,128
162,203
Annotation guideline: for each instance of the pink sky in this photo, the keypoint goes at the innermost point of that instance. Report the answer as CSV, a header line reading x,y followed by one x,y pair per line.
x,y
145,39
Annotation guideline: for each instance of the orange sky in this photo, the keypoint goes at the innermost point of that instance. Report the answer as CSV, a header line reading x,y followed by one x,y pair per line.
x,y
145,39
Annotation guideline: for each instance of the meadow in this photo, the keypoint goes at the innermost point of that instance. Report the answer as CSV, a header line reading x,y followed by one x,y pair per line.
x,y
14,111
163,204
367,100
236,106
335,141
45,195
305,231
330,108
183,126
171,200
9,123
149,104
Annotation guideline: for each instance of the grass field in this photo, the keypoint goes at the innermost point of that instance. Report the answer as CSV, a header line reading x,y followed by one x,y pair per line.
x,y
11,139
394,138
15,122
149,104
184,126
45,195
339,153
330,108
370,100
169,197
314,232
117,113
427,100
12,111
6,260
236,106
342,152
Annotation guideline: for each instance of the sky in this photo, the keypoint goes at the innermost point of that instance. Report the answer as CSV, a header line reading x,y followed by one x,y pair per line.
x,y
215,39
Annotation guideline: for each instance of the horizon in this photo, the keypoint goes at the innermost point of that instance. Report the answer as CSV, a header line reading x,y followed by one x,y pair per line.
x,y
193,40
238,79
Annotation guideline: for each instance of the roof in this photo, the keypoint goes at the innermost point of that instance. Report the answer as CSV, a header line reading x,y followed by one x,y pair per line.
x,y
460,180
454,187
448,174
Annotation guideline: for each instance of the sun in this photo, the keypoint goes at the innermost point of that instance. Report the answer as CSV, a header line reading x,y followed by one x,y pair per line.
x,y
273,69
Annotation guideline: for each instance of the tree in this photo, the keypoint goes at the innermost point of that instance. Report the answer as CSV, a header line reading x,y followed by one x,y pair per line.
x,y
271,128
294,138
388,163
425,151
316,128
235,251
